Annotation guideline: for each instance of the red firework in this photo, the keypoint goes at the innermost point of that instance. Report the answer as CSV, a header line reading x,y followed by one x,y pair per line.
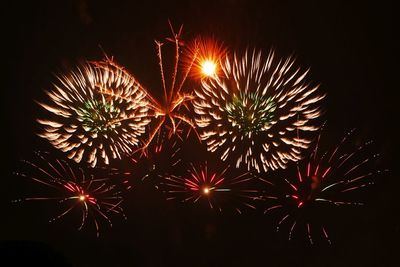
x,y
218,188
320,182
96,198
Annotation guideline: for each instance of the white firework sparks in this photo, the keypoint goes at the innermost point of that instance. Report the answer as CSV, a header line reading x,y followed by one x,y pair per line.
x,y
98,112
253,112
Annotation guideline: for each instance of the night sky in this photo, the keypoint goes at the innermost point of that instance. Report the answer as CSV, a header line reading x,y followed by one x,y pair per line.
x,y
350,49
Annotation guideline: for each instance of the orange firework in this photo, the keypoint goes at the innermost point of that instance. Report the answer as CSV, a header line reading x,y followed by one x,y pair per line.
x,y
208,54
168,111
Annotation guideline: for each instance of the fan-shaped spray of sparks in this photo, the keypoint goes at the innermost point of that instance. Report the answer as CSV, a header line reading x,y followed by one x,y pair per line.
x,y
253,112
169,109
217,188
322,180
94,197
99,111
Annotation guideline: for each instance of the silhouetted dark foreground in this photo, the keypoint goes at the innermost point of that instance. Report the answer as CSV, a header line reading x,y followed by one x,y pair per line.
x,y
30,253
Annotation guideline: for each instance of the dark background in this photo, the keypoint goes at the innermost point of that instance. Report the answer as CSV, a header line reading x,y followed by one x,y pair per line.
x,y
351,50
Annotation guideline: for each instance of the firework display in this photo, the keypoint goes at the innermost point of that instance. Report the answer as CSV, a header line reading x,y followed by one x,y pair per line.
x,y
253,112
321,182
97,113
96,199
256,113
215,187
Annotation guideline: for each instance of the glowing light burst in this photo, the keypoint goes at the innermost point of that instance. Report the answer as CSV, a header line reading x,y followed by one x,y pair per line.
x,y
74,191
98,113
207,54
208,68
253,112
320,182
169,111
217,188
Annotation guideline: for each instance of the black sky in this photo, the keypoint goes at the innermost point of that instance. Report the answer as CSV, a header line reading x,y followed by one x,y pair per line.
x,y
351,50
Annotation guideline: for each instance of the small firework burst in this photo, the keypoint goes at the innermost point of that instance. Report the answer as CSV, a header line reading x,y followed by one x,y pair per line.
x,y
321,182
98,113
74,190
208,54
254,111
218,188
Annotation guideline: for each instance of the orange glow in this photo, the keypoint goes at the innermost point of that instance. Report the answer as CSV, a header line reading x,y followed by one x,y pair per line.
x,y
82,198
208,54
208,68
206,190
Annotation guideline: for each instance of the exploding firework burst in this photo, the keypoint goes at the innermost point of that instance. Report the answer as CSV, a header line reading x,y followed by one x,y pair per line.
x,y
208,54
253,112
75,191
320,182
216,188
98,112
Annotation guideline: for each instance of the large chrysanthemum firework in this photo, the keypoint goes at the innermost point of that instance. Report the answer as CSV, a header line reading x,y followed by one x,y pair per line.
x,y
254,111
301,201
219,188
98,112
92,198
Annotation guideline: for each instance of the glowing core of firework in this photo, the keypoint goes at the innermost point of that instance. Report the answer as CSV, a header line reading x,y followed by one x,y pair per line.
x,y
208,68
96,116
206,190
251,113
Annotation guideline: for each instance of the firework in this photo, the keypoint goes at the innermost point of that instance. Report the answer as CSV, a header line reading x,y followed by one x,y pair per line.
x,y
98,112
208,54
169,112
322,181
215,187
96,198
255,110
